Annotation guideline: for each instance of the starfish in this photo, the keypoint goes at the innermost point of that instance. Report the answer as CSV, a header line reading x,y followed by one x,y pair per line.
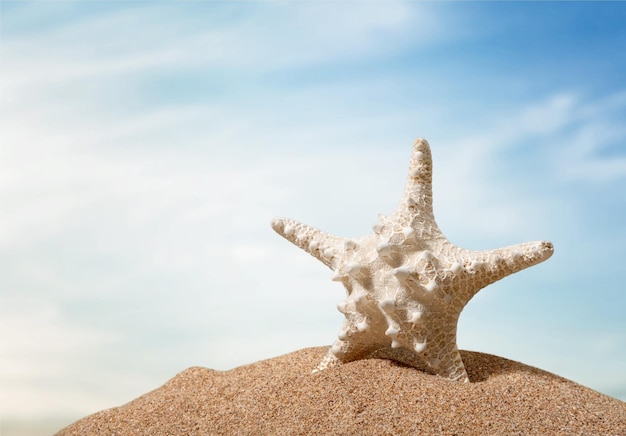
x,y
406,283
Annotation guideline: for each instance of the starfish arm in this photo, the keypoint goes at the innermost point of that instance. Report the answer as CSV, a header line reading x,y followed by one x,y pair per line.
x,y
321,245
490,266
329,361
416,206
450,365
418,190
532,253
347,350
508,260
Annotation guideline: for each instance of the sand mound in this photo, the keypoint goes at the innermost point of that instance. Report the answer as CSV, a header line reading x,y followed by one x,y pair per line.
x,y
368,397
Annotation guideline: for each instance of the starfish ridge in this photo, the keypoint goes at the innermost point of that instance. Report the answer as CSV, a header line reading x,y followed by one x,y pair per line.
x,y
406,283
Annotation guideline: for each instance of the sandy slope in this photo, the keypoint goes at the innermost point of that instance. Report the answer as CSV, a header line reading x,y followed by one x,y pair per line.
x,y
368,397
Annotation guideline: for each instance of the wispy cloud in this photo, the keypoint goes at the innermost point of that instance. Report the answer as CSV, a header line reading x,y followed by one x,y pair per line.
x,y
145,39
597,144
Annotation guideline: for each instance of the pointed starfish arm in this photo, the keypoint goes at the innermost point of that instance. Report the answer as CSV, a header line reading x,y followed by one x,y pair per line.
x,y
418,190
323,246
502,262
416,206
521,256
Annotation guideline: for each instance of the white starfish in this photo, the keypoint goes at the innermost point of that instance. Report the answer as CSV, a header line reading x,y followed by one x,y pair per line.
x,y
406,283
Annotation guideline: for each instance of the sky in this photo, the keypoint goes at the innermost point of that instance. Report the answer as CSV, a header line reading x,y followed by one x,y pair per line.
x,y
146,146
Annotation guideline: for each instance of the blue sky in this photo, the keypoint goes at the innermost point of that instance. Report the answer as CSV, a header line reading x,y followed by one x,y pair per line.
x,y
146,147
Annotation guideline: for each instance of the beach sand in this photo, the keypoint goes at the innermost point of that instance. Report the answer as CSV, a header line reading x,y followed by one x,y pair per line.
x,y
368,397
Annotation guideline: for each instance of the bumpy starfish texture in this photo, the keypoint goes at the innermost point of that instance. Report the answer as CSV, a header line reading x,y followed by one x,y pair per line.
x,y
406,283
